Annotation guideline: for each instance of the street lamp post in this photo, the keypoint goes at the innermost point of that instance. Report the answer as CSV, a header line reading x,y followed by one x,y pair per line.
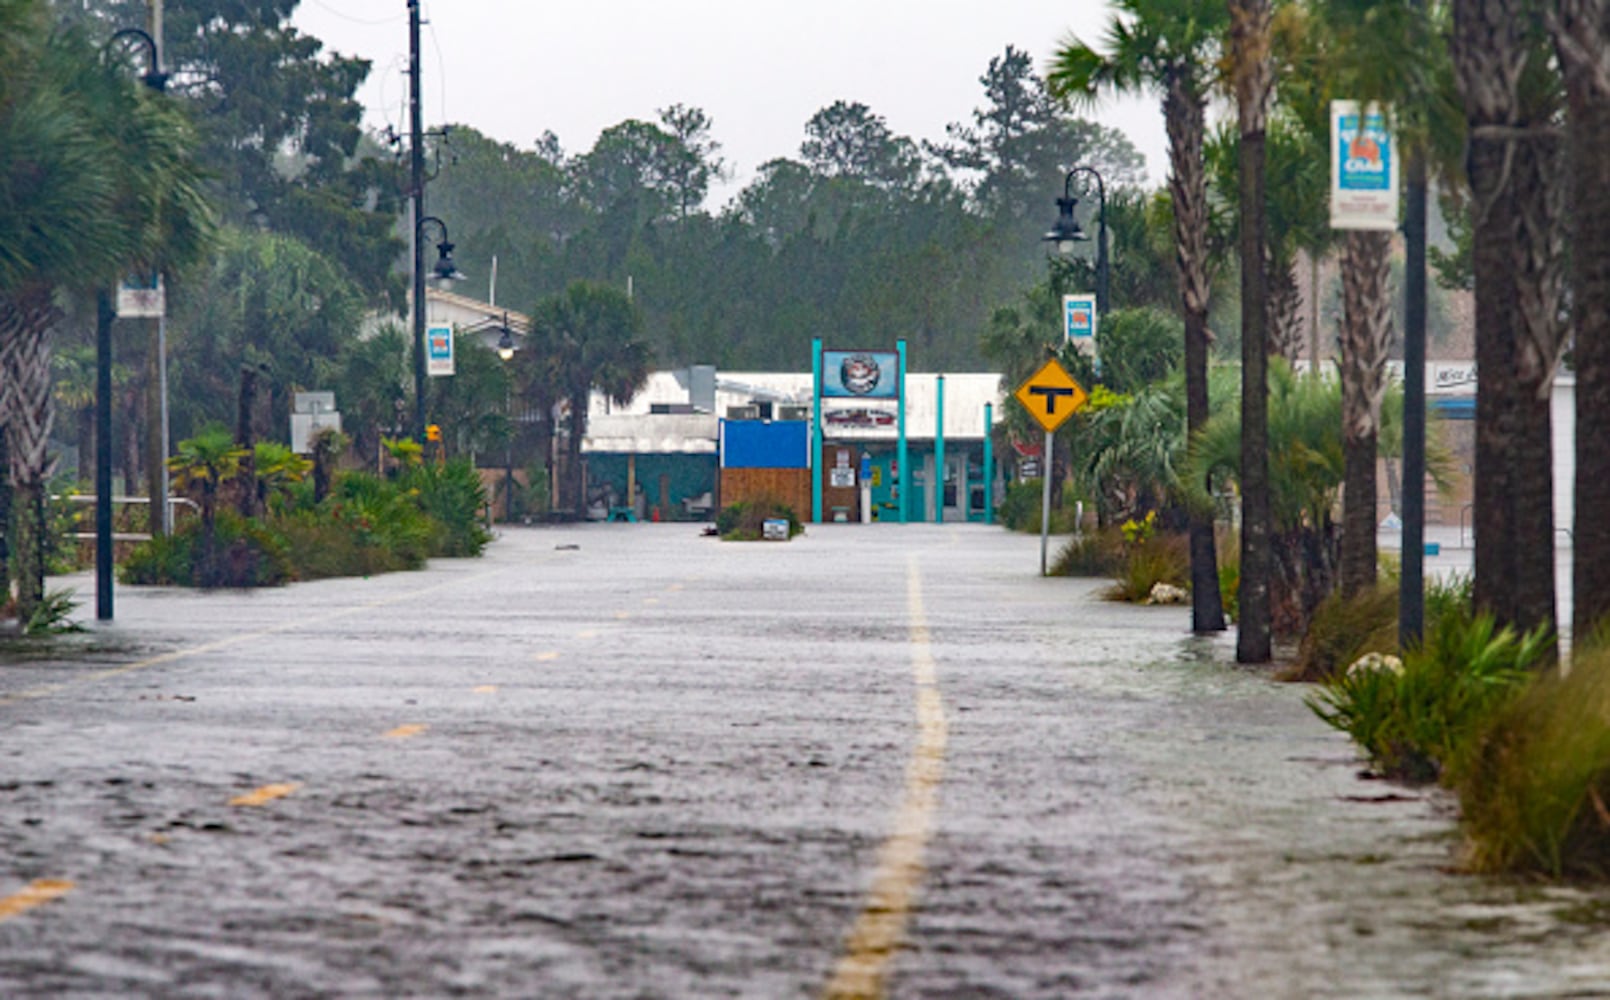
x,y
1065,232
105,313
506,354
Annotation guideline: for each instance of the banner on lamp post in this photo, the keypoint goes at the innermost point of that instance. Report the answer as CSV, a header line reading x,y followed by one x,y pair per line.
x,y
439,350
1079,323
1363,168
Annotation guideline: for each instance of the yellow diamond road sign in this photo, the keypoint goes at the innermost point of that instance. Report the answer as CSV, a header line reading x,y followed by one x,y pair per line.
x,y
1051,395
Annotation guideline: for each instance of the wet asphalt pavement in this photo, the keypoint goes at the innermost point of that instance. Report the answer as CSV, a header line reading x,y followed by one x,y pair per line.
x,y
629,761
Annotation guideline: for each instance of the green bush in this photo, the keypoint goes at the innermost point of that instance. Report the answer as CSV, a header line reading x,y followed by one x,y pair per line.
x,y
245,553
1091,553
1534,791
452,496
1416,719
744,521
1154,560
1344,629
1020,510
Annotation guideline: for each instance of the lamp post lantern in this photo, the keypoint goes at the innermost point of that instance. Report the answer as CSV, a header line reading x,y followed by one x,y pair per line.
x,y
506,351
1065,232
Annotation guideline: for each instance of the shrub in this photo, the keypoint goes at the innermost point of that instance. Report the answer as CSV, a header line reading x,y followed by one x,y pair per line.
x,y
1344,629
1417,721
1153,560
245,553
1534,791
744,521
453,497
1020,510
1092,553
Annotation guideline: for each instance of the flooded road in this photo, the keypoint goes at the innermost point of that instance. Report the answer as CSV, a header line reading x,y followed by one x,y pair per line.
x,y
628,761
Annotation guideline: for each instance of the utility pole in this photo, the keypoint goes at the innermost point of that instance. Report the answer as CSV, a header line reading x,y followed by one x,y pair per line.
x,y
1411,581
416,191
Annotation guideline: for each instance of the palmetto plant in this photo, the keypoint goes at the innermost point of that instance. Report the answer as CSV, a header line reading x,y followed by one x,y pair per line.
x,y
201,466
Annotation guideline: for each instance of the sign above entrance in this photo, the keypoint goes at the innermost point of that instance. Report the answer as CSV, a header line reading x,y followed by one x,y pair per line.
x,y
860,375
1051,395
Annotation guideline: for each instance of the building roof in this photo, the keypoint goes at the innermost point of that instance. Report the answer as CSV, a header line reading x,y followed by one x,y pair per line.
x,y
635,428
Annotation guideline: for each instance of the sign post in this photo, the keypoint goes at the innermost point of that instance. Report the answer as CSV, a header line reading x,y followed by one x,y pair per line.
x,y
1051,396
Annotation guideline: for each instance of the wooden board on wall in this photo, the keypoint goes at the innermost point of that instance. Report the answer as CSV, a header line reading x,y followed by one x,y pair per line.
x,y
791,486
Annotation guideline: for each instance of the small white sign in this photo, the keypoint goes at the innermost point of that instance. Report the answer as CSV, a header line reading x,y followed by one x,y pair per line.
x,y
304,426
842,478
142,297
439,350
1363,168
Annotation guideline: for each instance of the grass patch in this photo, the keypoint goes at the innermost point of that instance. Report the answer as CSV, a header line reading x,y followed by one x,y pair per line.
x,y
1417,719
1534,792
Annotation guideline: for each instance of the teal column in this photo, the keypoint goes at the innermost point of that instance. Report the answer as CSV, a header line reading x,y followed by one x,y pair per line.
x,y
816,430
939,450
904,478
989,465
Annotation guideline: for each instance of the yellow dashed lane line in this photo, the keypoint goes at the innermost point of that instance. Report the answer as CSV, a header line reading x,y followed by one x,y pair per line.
x,y
881,927
485,689
547,657
266,794
407,732
37,894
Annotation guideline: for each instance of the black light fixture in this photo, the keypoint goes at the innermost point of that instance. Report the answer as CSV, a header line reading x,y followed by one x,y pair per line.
x,y
506,341
1065,232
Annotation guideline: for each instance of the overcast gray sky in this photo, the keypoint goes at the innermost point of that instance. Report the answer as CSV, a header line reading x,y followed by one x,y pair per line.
x,y
759,68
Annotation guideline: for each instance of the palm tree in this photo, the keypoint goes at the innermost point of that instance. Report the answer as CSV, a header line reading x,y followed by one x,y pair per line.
x,y
96,179
1252,80
587,337
1516,167
201,465
1581,33
1170,46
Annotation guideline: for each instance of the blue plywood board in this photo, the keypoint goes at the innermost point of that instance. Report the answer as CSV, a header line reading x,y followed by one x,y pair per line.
x,y
765,444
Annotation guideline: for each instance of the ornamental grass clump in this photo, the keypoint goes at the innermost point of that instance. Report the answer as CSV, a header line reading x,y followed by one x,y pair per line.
x,y
745,520
1148,560
1534,791
1417,718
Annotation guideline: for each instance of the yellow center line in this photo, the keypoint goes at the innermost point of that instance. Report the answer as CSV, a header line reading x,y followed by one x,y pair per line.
x,y
485,689
547,657
588,633
675,587
651,601
45,691
266,794
881,926
407,732
37,894
622,615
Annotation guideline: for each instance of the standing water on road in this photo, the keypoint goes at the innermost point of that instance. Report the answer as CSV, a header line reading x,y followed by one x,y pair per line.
x,y
629,761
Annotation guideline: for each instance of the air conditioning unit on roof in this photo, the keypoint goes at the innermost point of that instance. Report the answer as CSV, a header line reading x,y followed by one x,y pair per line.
x,y
793,413
750,412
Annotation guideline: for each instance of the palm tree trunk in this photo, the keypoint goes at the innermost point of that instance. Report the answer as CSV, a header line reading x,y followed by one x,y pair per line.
x,y
1513,159
5,516
1253,77
1183,112
575,474
1582,34
1285,311
25,352
1366,332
